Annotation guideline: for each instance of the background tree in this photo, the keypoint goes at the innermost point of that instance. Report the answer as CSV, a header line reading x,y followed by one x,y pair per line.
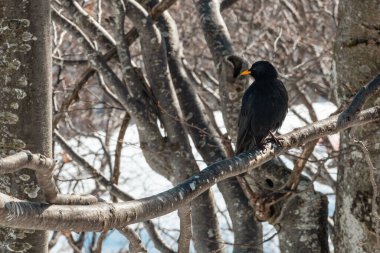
x,y
25,102
356,62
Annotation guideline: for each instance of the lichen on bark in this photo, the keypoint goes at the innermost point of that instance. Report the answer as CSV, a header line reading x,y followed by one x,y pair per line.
x,y
24,120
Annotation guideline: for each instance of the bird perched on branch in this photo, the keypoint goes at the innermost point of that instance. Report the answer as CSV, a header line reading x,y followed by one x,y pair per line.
x,y
264,107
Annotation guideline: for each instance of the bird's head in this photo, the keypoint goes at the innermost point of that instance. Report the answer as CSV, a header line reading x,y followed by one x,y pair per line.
x,y
261,70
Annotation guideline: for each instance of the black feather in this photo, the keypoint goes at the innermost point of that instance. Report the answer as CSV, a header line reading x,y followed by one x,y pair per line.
x,y
264,107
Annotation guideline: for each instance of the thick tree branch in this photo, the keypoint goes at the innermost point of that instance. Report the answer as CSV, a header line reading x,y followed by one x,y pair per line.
x,y
227,64
114,190
43,167
155,60
359,100
231,90
207,140
214,29
104,215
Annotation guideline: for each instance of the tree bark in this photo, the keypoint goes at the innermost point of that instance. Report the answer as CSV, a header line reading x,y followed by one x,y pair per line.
x,y
357,61
25,102
301,218
247,232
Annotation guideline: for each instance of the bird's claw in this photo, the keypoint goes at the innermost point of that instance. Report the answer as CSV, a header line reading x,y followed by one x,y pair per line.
x,y
277,139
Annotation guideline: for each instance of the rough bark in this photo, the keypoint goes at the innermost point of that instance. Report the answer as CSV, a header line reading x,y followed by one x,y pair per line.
x,y
25,101
357,61
228,67
248,233
301,218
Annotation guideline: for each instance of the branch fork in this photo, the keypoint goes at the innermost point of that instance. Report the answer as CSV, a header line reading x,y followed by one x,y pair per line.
x,y
43,166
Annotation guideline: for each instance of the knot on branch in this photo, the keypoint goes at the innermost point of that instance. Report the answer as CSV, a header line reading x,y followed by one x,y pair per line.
x,y
270,191
231,89
231,66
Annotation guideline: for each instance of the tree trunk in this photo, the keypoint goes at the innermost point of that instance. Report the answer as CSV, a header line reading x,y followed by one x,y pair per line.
x,y
357,61
300,219
25,105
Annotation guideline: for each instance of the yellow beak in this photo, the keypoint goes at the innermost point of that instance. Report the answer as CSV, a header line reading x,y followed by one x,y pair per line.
x,y
245,72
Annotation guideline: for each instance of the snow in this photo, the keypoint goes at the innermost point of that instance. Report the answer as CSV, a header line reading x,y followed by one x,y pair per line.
x,y
138,180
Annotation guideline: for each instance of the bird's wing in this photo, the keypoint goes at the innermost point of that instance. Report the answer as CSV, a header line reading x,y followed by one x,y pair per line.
x,y
282,104
244,137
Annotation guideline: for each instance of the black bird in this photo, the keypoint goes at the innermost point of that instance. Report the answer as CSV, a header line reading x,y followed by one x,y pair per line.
x,y
264,107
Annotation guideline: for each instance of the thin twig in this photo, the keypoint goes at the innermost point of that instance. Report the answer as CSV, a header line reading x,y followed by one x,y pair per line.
x,y
99,242
185,235
294,178
119,147
135,243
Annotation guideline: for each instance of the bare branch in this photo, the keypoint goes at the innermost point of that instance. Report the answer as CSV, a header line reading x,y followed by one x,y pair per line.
x,y
160,7
43,167
359,100
119,147
202,132
135,243
299,165
92,21
184,214
114,190
214,29
156,239
99,242
130,37
100,216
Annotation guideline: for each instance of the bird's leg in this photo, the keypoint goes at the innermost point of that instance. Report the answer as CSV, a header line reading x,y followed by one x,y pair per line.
x,y
278,140
261,145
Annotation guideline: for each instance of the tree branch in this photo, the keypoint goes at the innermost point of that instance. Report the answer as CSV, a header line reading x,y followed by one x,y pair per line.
x,y
24,214
135,243
43,167
130,37
155,60
207,140
185,235
359,100
114,190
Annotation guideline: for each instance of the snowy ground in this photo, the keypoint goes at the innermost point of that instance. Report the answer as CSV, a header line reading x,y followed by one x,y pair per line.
x,y
139,181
